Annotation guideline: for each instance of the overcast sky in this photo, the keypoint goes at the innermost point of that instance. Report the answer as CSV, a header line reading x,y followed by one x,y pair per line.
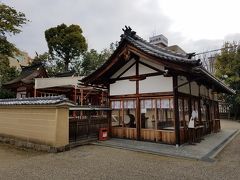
x,y
194,25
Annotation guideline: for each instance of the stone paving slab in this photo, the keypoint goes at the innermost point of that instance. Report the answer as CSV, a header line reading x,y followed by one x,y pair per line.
x,y
205,150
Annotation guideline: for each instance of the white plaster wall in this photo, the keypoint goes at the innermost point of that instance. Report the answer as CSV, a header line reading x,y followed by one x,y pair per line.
x,y
21,95
123,87
159,66
203,90
56,81
194,88
128,64
184,88
156,84
130,72
145,70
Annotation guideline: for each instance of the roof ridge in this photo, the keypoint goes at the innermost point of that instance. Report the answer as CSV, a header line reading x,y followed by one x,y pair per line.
x,y
129,33
61,97
56,100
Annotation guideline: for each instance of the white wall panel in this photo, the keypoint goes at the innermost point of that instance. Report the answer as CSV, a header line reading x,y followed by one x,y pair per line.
x,y
41,83
145,70
130,72
160,67
123,87
128,64
156,84
194,89
184,88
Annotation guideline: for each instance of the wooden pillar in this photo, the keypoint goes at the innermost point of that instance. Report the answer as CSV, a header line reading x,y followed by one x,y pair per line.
x,y
122,113
102,96
218,113
176,110
184,120
81,98
81,102
109,123
35,92
199,104
75,94
190,100
138,104
108,103
156,119
75,100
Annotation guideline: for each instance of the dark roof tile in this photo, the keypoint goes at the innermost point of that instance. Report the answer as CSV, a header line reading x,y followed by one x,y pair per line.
x,y
36,101
154,50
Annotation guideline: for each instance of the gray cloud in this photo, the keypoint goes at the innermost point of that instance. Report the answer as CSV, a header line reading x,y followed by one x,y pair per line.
x,y
206,44
101,22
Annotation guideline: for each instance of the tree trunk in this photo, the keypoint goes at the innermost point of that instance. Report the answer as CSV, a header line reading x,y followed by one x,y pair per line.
x,y
66,63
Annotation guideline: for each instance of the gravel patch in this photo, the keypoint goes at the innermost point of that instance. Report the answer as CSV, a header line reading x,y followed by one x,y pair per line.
x,y
94,162
98,162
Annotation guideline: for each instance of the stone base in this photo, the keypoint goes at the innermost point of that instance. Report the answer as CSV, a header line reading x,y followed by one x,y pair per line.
x,y
31,145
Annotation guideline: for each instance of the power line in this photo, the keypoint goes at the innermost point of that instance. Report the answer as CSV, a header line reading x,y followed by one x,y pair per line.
x,y
216,50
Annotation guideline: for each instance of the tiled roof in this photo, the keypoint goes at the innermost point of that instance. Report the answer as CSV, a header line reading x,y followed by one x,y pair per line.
x,y
27,75
154,50
65,74
36,101
193,67
213,79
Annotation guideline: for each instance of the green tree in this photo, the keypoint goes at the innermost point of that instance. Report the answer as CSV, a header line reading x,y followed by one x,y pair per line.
x,y
52,66
7,73
7,48
90,62
10,23
40,58
228,69
66,43
92,59
5,94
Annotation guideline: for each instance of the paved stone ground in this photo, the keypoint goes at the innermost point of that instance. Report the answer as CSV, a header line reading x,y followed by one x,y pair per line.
x,y
98,162
204,150
201,150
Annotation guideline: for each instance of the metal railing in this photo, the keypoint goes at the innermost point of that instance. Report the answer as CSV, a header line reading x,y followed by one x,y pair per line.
x,y
85,121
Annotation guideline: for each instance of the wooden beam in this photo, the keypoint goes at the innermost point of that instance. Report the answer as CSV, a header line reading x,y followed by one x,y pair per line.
x,y
199,104
135,77
138,108
75,94
125,70
151,67
102,96
107,65
104,72
81,98
158,60
35,92
92,85
176,110
149,95
190,99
